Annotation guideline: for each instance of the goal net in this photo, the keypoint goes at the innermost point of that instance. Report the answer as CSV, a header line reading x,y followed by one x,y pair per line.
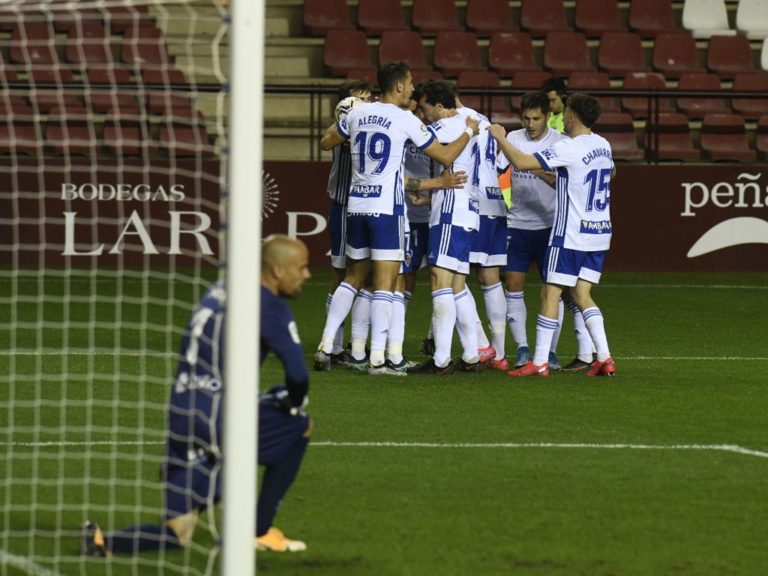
x,y
112,162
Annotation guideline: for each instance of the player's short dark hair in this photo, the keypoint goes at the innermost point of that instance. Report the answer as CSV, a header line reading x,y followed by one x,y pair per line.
x,y
554,84
351,86
533,100
418,91
440,92
390,74
586,108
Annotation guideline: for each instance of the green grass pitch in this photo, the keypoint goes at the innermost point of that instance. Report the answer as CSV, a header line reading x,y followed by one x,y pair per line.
x,y
662,470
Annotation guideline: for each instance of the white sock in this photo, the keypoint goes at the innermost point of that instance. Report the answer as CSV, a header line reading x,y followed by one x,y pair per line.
x,y
545,329
396,329
495,309
556,335
340,305
443,322
482,339
583,339
516,317
381,315
361,322
466,324
593,319
338,341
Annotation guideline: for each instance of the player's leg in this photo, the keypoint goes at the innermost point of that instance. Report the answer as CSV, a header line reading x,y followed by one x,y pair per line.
x,y
387,242
443,314
584,347
396,334
283,440
466,324
337,226
495,309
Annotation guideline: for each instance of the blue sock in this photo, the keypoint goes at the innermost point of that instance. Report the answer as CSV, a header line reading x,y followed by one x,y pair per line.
x,y
141,539
277,479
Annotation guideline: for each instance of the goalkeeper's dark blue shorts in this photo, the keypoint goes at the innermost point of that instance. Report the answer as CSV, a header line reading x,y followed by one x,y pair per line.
x,y
192,471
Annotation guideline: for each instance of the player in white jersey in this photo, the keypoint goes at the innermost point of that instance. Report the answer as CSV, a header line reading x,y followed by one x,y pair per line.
x,y
581,233
350,94
378,133
453,222
489,246
529,222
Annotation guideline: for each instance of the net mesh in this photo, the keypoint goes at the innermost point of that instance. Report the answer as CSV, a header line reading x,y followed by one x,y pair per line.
x,y
111,136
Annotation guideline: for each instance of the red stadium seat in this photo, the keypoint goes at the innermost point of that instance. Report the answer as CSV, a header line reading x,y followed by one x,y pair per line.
x,y
673,135
482,103
70,130
618,129
761,136
126,132
539,17
33,43
566,52
144,47
171,105
527,81
18,134
511,52
322,16
121,19
102,101
456,52
89,47
675,53
697,108
345,50
433,16
8,73
637,106
405,45
587,81
377,16
728,56
46,100
369,75
651,17
595,17
620,53
185,137
162,76
485,17
750,108
724,137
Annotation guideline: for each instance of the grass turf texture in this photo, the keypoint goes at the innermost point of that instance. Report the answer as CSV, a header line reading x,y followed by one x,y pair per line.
x,y
498,476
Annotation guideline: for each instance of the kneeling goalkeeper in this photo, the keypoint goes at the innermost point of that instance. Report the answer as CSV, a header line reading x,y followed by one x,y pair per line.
x,y
192,465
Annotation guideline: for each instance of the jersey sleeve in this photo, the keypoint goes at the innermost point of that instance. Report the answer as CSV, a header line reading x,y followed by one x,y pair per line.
x,y
342,125
280,334
557,155
418,132
502,162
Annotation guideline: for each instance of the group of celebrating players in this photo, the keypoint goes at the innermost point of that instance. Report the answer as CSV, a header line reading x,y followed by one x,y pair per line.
x,y
415,182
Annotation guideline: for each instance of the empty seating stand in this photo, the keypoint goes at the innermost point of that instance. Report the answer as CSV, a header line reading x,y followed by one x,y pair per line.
x,y
761,136
527,80
322,16
724,137
752,18
651,17
433,16
496,107
728,56
485,17
566,52
345,50
620,53
377,16
750,108
698,107
638,106
511,52
595,17
456,52
405,45
587,82
670,138
619,130
675,53
540,17
706,18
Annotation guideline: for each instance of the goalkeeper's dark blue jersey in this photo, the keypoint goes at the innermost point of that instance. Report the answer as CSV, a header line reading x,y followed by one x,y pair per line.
x,y
199,381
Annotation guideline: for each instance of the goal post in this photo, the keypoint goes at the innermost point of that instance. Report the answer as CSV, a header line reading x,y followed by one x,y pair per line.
x,y
114,152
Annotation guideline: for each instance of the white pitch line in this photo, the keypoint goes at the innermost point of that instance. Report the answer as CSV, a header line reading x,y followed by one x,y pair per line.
x,y
25,564
732,448
565,446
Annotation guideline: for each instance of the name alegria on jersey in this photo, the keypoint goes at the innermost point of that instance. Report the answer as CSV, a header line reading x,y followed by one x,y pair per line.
x,y
602,227
597,153
366,190
374,120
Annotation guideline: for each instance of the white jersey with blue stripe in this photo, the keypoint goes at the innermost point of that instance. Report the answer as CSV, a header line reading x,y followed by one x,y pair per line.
x,y
457,206
533,200
378,133
417,165
582,215
484,176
